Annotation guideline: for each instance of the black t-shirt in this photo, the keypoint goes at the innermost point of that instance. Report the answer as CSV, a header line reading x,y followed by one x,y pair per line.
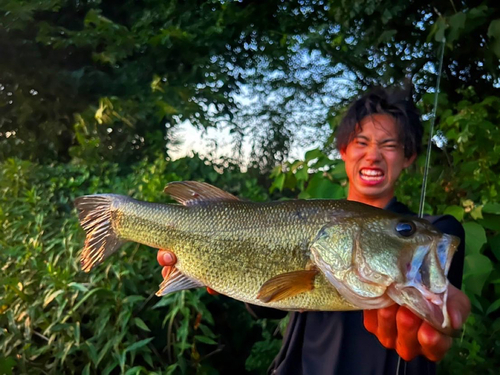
x,y
337,343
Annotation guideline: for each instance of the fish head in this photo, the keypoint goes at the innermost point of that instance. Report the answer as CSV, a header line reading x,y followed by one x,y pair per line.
x,y
375,261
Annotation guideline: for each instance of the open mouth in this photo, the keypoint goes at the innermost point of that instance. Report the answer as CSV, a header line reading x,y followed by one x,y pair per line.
x,y
433,310
426,289
372,175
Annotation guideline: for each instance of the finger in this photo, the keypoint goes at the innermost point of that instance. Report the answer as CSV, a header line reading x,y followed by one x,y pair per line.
x,y
370,320
408,325
434,344
211,291
387,330
159,257
166,258
165,271
458,306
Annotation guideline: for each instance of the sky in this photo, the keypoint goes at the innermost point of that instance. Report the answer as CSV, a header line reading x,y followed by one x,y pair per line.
x,y
216,143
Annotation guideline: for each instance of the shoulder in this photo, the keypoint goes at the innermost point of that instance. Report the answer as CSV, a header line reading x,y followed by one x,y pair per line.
x,y
447,224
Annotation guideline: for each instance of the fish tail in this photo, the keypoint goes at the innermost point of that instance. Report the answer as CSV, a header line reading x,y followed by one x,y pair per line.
x,y
96,218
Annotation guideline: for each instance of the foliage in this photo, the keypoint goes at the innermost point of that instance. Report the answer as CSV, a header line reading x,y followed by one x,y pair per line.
x,y
54,317
91,93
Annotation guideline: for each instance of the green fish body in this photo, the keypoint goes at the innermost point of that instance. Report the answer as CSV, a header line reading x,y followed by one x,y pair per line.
x,y
322,255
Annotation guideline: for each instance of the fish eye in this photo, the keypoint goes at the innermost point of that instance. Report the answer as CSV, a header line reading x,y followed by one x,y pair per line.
x,y
405,228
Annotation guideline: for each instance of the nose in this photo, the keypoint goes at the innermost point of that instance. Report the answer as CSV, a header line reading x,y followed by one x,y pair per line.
x,y
373,153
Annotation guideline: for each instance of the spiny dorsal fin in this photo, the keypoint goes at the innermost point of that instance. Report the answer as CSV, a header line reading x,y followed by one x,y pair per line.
x,y
287,285
188,193
175,281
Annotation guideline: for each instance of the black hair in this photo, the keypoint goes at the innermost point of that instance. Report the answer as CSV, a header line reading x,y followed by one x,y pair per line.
x,y
397,103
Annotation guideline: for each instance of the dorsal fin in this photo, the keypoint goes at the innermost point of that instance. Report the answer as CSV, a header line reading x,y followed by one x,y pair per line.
x,y
192,192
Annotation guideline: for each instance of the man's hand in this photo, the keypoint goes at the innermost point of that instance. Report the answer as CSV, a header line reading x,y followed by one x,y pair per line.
x,y
398,328
167,259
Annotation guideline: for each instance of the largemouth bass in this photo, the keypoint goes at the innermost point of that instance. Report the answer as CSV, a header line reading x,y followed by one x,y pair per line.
x,y
322,255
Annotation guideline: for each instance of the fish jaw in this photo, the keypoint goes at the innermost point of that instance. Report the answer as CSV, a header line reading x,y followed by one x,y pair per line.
x,y
425,291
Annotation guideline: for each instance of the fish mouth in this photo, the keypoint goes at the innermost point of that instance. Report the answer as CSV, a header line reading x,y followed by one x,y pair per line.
x,y
431,307
425,291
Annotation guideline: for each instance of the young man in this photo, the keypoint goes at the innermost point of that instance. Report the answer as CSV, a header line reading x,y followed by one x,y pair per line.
x,y
380,136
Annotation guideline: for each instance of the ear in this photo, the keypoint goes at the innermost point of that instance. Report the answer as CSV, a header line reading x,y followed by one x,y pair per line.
x,y
409,161
342,154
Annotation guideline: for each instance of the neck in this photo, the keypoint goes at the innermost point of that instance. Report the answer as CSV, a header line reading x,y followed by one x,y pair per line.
x,y
379,202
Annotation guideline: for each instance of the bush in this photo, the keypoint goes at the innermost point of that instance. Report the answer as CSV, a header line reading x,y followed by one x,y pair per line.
x,y
58,319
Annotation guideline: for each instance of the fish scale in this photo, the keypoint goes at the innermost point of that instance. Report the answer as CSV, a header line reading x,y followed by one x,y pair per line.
x,y
205,239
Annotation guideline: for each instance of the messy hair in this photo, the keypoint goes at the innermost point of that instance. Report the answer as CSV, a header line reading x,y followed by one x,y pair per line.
x,y
393,102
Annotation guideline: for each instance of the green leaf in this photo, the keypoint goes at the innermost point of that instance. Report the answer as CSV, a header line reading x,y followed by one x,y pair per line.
x,y
6,365
78,286
477,269
475,237
490,221
134,370
492,208
338,172
477,213
51,297
132,299
495,245
278,183
440,30
456,211
322,187
301,174
457,24
86,369
139,344
494,29
140,323
205,340
313,154
493,307
386,36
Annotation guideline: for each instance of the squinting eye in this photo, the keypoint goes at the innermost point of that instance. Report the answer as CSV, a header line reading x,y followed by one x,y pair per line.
x,y
405,228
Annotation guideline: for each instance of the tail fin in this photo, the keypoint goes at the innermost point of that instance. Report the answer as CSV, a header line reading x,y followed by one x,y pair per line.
x,y
95,214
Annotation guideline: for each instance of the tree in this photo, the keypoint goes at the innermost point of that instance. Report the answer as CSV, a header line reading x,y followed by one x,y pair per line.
x,y
110,80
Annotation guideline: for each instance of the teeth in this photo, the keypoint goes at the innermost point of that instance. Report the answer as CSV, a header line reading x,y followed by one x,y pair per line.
x,y
372,178
371,172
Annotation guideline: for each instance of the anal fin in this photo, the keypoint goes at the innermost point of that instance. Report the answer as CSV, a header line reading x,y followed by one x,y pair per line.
x,y
287,285
175,281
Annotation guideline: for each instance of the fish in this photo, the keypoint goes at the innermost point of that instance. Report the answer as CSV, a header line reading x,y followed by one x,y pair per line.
x,y
293,255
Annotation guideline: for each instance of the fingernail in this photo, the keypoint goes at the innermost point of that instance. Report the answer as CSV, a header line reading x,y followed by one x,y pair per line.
x,y
168,258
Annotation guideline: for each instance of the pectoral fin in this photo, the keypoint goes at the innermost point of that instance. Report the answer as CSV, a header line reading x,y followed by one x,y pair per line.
x,y
175,281
287,285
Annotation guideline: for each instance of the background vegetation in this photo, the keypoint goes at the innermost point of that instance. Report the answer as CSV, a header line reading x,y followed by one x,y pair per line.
x,y
91,95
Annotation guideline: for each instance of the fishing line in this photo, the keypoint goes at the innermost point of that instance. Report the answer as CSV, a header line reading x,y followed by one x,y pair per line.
x,y
428,158
431,133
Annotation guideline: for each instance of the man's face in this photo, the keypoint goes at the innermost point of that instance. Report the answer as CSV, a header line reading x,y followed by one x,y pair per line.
x,y
374,160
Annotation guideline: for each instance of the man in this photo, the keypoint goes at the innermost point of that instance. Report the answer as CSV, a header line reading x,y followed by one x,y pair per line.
x,y
379,136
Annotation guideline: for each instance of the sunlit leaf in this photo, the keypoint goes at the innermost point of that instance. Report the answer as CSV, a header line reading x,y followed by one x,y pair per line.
x,y
456,211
